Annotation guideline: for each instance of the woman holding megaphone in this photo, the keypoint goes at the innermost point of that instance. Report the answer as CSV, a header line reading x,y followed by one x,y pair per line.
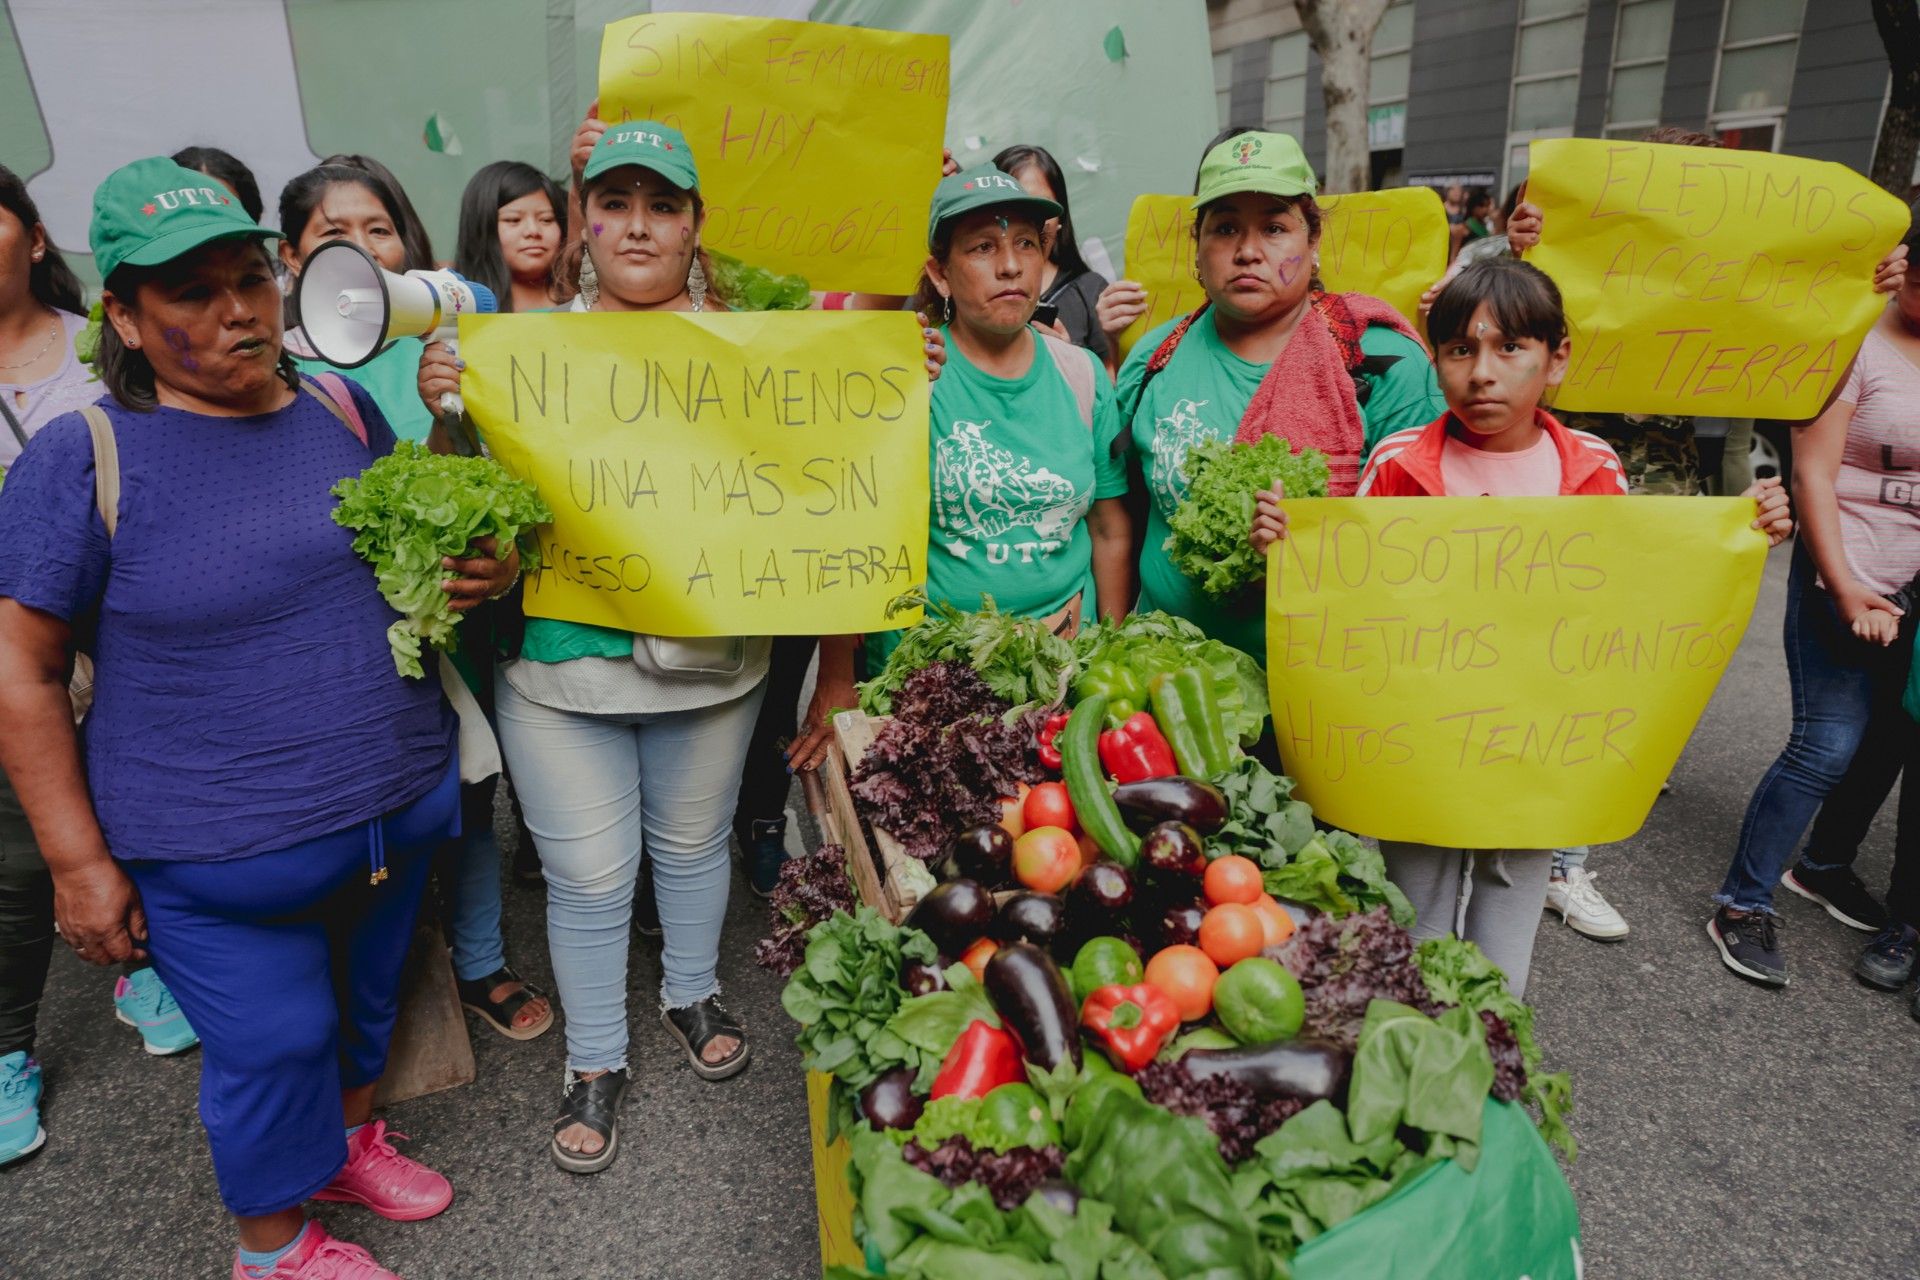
x,y
261,791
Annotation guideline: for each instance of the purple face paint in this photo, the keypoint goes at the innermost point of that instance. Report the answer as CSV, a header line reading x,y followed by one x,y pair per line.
x,y
176,340
598,229
1288,269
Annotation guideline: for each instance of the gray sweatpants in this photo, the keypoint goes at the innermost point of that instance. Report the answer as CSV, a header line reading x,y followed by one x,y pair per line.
x,y
1490,897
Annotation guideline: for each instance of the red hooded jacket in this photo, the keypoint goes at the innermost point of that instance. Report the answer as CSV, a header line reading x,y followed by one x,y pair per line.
x,y
1407,463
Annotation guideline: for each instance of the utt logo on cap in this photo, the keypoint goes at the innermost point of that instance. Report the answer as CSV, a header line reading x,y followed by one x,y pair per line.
x,y
992,180
1247,150
644,138
183,196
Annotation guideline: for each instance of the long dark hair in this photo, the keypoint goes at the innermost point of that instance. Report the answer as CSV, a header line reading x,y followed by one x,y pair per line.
x,y
51,281
1066,245
126,372
478,256
413,232
225,168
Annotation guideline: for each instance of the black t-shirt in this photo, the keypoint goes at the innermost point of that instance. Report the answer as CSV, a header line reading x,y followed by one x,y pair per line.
x,y
1076,296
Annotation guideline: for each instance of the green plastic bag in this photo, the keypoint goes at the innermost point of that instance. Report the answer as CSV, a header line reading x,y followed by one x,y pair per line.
x,y
1512,1217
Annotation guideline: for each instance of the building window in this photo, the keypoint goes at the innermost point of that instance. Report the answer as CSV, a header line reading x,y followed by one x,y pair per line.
x,y
1387,80
1286,102
1640,39
1223,86
1759,43
1546,77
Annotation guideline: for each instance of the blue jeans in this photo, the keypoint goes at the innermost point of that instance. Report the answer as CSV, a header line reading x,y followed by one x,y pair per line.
x,y
470,873
1840,684
597,790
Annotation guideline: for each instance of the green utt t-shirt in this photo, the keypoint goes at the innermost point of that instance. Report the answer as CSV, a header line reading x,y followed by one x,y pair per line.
x,y
1014,471
1201,395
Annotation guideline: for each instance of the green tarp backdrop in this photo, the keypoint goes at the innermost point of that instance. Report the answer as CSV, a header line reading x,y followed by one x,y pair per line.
x,y
437,88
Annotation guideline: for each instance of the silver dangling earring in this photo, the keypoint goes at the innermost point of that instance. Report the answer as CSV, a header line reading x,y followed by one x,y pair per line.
x,y
946,310
589,282
697,282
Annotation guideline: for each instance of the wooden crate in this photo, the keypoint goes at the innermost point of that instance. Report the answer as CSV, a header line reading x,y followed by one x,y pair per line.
x,y
878,864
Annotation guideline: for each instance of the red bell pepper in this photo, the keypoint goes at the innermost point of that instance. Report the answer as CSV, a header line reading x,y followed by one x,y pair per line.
x,y
1048,753
1137,750
981,1060
1133,1022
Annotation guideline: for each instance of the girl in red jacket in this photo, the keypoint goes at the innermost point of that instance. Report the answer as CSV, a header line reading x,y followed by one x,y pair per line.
x,y
1499,341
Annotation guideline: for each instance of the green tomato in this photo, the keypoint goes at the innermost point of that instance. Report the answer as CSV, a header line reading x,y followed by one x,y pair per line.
x,y
1259,1001
1104,962
1015,1115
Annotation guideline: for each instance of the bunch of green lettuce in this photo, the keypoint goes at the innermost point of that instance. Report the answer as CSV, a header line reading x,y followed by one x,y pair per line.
x,y
412,508
1332,870
921,1229
1020,659
1210,527
1152,642
745,287
1459,973
846,993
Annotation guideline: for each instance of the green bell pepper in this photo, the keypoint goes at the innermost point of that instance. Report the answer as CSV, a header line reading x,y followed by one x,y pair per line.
x,y
1125,691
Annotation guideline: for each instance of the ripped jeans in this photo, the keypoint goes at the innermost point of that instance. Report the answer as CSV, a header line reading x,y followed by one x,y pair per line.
x,y
597,790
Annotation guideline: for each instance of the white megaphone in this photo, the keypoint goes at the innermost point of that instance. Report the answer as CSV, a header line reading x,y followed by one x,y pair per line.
x,y
351,308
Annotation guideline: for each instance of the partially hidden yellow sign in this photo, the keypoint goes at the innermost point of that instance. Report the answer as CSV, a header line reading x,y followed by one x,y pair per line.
x,y
713,475
1702,281
818,145
1500,673
1391,244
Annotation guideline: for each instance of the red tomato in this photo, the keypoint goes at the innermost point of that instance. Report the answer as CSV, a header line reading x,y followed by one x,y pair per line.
x,y
1233,879
1187,975
976,956
1230,933
1274,920
1046,859
1049,806
1011,815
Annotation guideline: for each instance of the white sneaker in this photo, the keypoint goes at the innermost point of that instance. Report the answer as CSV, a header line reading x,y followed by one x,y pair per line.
x,y
1583,907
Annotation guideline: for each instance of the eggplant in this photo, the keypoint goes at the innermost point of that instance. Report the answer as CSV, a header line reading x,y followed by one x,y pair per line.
x,y
1063,1196
1105,887
1198,804
1180,923
1031,998
919,978
1173,849
983,853
1030,917
889,1101
1306,1069
953,915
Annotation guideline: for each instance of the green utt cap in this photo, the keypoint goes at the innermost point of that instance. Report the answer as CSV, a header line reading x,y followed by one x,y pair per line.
x,y
981,187
152,211
649,144
1270,163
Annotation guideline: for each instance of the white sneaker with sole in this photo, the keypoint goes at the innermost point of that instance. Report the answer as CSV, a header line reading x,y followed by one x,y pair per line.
x,y
1583,906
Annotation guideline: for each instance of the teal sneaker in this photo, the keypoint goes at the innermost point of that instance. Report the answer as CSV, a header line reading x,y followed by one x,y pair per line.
x,y
144,1003
20,1131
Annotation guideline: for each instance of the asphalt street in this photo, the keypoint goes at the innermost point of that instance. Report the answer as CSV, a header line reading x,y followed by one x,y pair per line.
x,y
1726,1131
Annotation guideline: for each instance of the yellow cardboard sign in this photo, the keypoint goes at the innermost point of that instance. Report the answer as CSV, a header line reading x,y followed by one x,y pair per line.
x,y
818,145
1702,281
1391,244
719,474
1500,673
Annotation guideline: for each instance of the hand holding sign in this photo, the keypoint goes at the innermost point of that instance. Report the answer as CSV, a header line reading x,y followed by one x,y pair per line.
x,y
1701,281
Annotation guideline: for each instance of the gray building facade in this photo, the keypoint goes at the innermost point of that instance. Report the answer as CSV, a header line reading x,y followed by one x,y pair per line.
x,y
1461,87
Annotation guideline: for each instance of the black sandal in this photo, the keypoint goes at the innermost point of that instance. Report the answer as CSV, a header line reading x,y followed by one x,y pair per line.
x,y
594,1103
696,1026
501,1013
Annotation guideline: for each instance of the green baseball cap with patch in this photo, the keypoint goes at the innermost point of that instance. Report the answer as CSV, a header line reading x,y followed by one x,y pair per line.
x,y
1269,163
153,210
981,187
649,144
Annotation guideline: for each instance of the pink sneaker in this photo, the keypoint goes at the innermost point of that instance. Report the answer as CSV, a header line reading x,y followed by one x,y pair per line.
x,y
319,1256
385,1181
